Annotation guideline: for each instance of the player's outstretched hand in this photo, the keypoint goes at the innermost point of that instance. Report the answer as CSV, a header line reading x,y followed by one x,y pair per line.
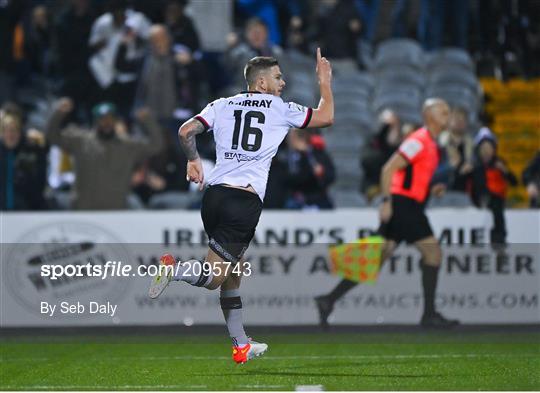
x,y
195,172
323,69
64,105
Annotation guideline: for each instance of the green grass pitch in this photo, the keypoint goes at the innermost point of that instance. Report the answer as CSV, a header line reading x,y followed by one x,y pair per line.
x,y
369,361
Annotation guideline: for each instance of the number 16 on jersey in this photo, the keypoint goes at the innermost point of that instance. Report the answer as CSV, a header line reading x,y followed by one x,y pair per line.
x,y
251,136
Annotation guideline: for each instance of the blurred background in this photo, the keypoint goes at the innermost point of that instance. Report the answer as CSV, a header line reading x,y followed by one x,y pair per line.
x,y
92,93
114,57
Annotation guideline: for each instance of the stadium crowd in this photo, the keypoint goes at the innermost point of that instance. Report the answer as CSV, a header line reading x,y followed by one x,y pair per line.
x,y
92,93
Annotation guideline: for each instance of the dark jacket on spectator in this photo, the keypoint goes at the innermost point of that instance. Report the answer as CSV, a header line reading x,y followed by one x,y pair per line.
x,y
276,189
531,174
184,33
103,167
309,175
10,14
72,32
22,176
374,155
337,39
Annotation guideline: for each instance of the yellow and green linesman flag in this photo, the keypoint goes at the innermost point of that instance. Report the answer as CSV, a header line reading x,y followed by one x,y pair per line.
x,y
358,261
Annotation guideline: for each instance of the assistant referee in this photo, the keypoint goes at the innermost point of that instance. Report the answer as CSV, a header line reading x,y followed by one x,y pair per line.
x,y
406,184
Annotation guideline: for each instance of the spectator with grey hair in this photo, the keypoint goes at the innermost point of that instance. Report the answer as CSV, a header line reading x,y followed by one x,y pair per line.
x,y
255,43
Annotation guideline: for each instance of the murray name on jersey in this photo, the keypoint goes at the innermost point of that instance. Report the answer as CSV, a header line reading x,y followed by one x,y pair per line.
x,y
253,103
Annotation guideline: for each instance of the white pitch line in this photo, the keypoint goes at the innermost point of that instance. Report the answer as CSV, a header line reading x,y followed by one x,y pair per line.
x,y
101,387
128,387
435,356
300,357
261,386
186,357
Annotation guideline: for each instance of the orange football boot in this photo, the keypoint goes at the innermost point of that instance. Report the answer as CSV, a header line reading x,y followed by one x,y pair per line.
x,y
249,351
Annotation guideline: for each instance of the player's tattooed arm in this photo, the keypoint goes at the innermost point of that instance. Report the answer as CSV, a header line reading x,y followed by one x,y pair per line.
x,y
186,134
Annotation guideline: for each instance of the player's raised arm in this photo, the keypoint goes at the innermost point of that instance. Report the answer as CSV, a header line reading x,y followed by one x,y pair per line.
x,y
186,135
323,116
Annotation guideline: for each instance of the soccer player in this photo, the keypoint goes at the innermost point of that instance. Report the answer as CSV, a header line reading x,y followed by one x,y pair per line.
x,y
248,129
405,184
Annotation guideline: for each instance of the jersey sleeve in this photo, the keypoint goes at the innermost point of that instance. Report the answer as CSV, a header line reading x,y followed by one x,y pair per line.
x,y
296,115
208,116
98,32
410,149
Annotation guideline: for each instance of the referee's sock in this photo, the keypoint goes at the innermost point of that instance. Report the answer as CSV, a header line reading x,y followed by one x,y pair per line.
x,y
340,290
193,273
231,305
429,283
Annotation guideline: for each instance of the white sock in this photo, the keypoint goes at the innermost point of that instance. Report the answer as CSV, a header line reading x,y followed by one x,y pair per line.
x,y
231,305
186,271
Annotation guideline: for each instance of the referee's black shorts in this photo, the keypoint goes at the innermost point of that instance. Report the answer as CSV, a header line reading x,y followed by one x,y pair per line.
x,y
408,222
230,216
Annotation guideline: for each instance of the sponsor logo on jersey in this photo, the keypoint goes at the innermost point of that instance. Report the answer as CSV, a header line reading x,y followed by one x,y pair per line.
x,y
240,157
298,107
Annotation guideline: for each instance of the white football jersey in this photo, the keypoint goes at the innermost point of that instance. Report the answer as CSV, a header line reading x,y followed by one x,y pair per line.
x,y
248,129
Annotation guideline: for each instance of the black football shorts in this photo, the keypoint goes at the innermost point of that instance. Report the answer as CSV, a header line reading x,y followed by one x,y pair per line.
x,y
230,216
408,222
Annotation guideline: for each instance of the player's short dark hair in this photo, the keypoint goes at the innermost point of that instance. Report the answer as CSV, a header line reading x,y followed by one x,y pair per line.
x,y
257,65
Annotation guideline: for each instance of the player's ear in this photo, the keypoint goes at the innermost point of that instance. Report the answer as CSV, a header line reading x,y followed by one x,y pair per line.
x,y
262,82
